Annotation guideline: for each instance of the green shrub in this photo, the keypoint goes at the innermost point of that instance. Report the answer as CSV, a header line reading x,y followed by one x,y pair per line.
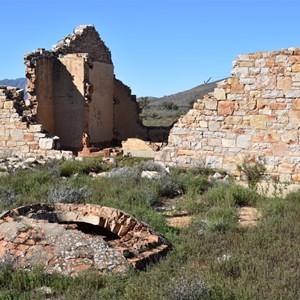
x,y
168,187
87,165
293,196
224,194
253,171
221,218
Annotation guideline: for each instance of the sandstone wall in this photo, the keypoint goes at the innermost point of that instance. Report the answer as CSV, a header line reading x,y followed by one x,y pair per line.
x,y
256,112
17,137
72,91
127,123
100,124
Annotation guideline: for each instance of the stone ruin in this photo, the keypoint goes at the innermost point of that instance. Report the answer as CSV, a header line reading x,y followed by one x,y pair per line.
x,y
72,93
254,114
70,238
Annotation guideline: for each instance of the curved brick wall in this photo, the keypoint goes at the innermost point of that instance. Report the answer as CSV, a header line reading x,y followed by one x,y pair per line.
x,y
50,235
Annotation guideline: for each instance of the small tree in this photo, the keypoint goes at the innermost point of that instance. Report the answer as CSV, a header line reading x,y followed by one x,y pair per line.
x,y
253,171
144,102
169,105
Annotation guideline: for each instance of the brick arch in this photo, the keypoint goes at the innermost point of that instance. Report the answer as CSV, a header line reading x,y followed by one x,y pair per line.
x,y
137,241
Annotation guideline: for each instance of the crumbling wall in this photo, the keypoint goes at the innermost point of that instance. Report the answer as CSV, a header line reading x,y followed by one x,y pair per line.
x,y
17,137
72,92
256,112
84,39
127,123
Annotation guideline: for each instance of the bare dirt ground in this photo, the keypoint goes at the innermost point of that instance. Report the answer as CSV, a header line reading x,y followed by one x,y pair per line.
x,y
248,216
179,222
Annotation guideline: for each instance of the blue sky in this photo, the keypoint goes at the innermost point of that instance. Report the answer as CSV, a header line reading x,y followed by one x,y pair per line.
x,y
159,47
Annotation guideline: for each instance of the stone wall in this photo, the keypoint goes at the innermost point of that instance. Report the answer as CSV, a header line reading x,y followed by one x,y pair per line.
x,y
127,123
72,92
17,137
254,113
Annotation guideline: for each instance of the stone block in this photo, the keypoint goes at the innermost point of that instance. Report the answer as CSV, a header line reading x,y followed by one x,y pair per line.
x,y
214,161
16,135
296,77
292,93
219,94
259,122
211,104
241,72
272,94
260,62
46,143
236,87
278,106
213,126
244,57
279,149
243,141
296,68
296,104
264,71
266,82
286,168
28,136
225,108
203,124
8,105
35,128
281,58
254,94
284,83
198,106
228,143
254,71
290,137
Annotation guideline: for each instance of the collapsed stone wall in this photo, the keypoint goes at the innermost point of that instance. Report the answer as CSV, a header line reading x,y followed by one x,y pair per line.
x,y
17,136
254,113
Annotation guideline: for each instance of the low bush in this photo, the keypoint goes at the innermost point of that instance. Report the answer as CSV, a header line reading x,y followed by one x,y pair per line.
x,y
87,165
67,194
187,286
231,194
213,258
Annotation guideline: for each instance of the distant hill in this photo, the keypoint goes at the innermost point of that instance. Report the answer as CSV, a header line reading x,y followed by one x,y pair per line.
x,y
186,97
19,82
166,110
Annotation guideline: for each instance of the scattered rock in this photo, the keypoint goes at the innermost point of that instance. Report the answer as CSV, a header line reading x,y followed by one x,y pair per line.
x,y
151,174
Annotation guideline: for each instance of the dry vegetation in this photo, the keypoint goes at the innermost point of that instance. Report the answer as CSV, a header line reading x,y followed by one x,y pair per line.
x,y
213,258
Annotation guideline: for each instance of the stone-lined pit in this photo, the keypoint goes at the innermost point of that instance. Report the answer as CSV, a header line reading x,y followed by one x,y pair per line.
x,y
69,238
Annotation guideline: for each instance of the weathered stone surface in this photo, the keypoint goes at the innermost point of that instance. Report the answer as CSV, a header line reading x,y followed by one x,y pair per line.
x,y
284,83
292,93
225,108
220,94
139,148
46,143
236,87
